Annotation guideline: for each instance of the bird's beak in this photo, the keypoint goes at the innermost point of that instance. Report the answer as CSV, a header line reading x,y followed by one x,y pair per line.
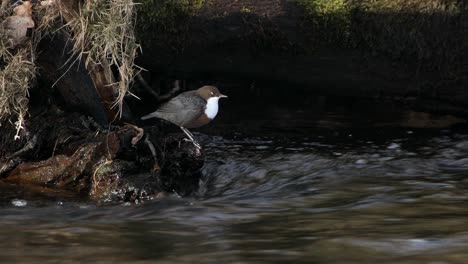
x,y
223,96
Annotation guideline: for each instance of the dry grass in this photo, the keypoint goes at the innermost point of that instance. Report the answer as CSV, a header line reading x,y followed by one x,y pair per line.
x,y
18,70
15,80
103,34
17,73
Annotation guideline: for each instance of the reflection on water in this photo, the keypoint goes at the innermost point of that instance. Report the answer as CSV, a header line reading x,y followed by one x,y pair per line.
x,y
324,197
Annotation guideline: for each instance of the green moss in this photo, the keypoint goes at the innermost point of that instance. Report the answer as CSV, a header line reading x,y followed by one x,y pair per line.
x,y
160,18
165,12
245,9
330,20
326,8
416,36
342,22
419,32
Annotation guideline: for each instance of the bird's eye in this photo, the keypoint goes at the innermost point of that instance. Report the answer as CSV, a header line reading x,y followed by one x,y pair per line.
x,y
212,93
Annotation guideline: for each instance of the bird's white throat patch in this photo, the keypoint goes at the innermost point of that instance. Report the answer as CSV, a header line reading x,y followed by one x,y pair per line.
x,y
212,107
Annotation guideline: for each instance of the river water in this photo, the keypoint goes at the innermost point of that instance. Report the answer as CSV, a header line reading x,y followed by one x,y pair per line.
x,y
279,186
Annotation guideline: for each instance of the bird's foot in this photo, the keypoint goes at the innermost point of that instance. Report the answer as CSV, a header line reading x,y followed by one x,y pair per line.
x,y
198,148
195,143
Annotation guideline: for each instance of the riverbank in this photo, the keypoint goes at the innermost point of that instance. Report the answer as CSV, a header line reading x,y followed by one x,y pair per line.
x,y
412,52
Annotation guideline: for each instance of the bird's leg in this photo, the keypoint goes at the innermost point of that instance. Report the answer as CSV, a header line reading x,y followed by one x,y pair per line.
x,y
191,137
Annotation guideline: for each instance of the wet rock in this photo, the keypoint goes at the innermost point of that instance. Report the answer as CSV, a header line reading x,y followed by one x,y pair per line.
x,y
180,168
41,172
119,181
175,168
105,166
178,165
415,119
63,170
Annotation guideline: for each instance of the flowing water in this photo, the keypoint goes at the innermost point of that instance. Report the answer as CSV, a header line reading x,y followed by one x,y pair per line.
x,y
293,188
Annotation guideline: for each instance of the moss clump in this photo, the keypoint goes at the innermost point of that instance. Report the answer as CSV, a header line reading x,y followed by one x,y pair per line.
x,y
408,6
343,22
330,20
167,12
418,35
394,27
165,22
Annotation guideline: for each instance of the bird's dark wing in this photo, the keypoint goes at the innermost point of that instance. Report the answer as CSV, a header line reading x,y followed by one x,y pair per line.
x,y
182,109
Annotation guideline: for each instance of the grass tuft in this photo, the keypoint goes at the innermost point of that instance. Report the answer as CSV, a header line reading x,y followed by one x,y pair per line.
x,y
103,34
17,73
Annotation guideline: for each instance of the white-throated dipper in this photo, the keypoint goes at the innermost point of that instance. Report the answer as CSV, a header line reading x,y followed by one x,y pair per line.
x,y
190,109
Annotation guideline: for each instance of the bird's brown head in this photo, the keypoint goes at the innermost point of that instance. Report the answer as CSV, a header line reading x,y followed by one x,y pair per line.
x,y
209,91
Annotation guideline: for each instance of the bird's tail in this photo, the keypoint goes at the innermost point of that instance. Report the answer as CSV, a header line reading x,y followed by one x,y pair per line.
x,y
148,116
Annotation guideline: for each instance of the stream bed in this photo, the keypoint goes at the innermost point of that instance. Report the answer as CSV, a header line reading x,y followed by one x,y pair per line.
x,y
331,190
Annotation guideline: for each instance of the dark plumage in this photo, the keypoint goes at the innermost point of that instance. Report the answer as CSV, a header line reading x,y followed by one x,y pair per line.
x,y
190,109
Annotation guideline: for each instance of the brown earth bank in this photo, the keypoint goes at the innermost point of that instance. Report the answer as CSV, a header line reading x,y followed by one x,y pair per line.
x,y
411,52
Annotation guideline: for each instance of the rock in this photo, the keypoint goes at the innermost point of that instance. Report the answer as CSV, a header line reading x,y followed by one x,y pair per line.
x,y
41,172
103,165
